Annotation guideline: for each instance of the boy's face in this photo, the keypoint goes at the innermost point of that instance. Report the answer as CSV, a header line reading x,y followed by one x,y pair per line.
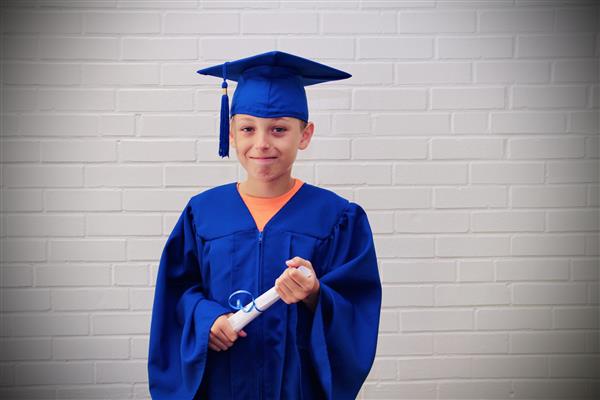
x,y
267,147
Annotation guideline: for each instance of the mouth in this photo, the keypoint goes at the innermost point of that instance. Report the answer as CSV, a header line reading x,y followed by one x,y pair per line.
x,y
263,160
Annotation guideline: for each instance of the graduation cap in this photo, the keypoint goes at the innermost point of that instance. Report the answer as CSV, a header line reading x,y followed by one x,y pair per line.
x,y
270,85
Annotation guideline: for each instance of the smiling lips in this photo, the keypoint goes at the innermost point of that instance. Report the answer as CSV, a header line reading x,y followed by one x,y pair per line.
x,y
263,160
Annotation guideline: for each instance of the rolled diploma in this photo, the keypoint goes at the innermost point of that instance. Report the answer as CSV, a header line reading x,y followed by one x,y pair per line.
x,y
242,318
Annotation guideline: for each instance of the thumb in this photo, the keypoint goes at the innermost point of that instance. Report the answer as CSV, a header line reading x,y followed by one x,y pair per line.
x,y
242,333
294,262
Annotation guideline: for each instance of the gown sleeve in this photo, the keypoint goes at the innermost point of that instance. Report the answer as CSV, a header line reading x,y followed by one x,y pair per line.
x,y
345,326
181,317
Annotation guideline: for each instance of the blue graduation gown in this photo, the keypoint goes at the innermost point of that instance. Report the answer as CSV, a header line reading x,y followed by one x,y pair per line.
x,y
290,352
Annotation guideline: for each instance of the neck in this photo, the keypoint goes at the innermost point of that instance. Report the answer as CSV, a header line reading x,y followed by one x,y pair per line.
x,y
273,188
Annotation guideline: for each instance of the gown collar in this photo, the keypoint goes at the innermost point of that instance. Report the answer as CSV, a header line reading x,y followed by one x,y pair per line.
x,y
279,217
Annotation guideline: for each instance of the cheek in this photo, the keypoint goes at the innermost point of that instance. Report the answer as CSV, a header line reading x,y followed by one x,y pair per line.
x,y
292,146
242,143
287,148
290,143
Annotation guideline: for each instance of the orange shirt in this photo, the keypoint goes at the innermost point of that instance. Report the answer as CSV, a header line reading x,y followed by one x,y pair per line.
x,y
263,208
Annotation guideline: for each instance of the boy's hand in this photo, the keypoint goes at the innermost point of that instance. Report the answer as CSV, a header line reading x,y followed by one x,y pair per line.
x,y
292,286
222,334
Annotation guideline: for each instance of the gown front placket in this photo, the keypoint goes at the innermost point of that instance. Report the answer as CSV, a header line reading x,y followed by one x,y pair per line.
x,y
269,347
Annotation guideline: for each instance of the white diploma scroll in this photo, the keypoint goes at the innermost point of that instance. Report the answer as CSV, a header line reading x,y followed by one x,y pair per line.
x,y
242,317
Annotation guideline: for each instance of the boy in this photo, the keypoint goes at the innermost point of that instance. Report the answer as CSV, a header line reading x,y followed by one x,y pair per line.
x,y
318,342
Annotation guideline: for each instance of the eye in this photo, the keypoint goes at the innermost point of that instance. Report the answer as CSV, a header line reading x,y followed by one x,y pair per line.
x,y
280,129
244,128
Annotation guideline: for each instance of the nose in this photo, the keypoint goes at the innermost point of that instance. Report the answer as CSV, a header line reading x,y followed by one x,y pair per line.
x,y
262,139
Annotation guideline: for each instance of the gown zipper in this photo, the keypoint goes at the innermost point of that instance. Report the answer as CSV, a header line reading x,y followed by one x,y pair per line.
x,y
260,255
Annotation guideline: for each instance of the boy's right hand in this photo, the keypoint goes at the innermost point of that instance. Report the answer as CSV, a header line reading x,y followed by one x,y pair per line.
x,y
222,334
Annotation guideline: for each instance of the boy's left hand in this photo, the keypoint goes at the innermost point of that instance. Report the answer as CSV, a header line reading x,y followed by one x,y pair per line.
x,y
292,286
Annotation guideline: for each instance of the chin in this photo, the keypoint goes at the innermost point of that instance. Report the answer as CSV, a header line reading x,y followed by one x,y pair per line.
x,y
268,176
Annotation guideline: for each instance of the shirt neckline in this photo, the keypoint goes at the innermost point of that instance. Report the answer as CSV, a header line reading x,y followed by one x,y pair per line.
x,y
277,215
266,199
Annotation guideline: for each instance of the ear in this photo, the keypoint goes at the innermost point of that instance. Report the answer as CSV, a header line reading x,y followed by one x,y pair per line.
x,y
231,134
307,134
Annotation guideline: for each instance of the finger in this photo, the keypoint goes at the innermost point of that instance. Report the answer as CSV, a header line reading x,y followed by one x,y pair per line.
x,y
242,333
282,292
213,346
287,284
298,261
288,293
299,278
218,322
223,337
218,342
222,341
228,343
282,295
291,280
292,266
229,333
295,262
285,297
300,290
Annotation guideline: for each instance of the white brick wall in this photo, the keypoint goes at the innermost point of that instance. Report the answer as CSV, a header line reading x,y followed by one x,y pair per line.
x,y
469,133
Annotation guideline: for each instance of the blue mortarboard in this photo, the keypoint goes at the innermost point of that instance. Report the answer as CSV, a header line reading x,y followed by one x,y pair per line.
x,y
270,85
